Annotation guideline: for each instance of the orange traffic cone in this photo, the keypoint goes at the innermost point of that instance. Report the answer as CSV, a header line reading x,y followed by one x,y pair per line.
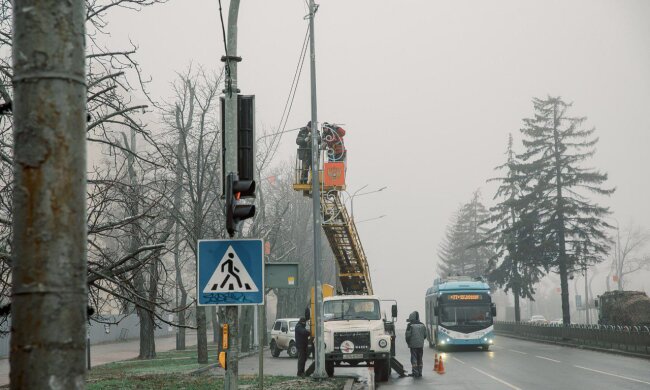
x,y
441,367
435,363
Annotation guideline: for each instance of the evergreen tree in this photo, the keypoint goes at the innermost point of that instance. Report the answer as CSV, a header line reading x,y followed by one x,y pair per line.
x,y
515,264
458,253
570,229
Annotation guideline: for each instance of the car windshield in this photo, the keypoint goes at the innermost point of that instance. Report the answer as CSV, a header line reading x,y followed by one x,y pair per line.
x,y
351,309
465,315
292,325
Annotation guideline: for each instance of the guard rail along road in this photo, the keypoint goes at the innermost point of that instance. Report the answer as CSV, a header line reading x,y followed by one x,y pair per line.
x,y
631,339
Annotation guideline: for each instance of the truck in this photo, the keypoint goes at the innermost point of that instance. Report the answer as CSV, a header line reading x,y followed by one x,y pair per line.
x,y
355,331
623,308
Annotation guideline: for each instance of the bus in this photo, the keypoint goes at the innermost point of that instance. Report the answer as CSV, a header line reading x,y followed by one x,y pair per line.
x,y
459,311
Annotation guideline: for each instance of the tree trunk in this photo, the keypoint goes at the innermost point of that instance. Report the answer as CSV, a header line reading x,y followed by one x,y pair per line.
x,y
247,327
562,258
49,272
215,325
147,340
201,335
517,308
182,321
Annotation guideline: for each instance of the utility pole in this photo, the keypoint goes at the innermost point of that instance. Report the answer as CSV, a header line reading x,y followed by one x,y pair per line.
x,y
49,272
319,354
586,298
230,166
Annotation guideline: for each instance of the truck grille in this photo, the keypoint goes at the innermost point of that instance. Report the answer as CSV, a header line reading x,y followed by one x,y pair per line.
x,y
361,340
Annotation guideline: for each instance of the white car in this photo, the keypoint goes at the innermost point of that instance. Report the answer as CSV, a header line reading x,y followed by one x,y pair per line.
x,y
538,319
283,337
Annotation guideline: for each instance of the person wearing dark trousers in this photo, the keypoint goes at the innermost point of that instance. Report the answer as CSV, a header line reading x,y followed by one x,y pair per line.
x,y
302,342
416,334
303,140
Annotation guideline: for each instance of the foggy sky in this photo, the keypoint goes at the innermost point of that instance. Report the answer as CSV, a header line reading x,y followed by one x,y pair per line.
x,y
428,92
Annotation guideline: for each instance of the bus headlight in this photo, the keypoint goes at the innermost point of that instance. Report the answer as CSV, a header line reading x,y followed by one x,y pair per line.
x,y
448,340
491,341
383,343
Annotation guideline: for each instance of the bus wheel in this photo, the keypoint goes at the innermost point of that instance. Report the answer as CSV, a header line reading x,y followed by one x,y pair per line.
x,y
486,347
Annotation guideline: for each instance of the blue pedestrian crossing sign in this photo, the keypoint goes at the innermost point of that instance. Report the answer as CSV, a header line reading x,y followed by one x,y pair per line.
x,y
230,272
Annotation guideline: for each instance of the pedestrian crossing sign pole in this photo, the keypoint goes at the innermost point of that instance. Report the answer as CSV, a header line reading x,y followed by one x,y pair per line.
x,y
230,272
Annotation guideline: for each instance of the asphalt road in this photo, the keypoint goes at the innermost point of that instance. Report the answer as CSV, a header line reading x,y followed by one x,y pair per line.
x,y
516,364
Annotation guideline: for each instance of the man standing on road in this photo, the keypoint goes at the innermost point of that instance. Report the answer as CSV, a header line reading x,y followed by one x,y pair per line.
x,y
416,333
302,341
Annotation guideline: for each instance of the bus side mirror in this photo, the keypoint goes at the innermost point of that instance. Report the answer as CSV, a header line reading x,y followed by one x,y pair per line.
x,y
393,311
493,308
435,311
307,313
595,302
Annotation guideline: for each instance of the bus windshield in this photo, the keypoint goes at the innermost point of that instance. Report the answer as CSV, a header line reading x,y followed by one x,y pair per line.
x,y
465,315
351,309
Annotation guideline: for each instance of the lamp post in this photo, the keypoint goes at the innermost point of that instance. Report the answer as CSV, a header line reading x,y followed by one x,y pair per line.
x,y
371,219
356,193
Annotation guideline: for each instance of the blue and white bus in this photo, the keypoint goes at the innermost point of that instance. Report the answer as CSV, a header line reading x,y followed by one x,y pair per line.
x,y
459,311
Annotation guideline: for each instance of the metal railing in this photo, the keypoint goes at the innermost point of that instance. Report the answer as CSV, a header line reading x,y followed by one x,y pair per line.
x,y
635,339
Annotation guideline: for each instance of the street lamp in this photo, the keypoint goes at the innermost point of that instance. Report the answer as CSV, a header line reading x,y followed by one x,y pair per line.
x,y
363,193
371,219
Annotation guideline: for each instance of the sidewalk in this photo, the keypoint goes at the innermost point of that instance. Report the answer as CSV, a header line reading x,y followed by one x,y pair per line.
x,y
107,353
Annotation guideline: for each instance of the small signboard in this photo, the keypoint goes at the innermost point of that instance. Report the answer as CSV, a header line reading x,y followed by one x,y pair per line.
x,y
230,272
281,275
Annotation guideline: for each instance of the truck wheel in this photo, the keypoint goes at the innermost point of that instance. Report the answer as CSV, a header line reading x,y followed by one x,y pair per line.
x,y
329,368
275,351
382,370
293,350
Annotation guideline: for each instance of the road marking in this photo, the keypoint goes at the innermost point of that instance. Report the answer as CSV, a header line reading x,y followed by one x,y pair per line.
x,y
618,376
523,353
545,358
371,378
497,379
458,360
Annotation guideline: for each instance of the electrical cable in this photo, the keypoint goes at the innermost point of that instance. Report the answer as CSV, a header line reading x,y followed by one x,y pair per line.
x,y
225,48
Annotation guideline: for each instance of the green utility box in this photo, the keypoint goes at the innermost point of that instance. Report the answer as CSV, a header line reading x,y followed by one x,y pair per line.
x,y
281,275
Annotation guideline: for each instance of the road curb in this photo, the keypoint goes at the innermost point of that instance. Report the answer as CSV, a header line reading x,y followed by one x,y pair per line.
x,y
578,346
216,365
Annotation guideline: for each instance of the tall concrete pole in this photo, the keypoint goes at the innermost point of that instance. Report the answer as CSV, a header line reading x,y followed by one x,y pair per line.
x,y
230,159
588,320
315,189
49,297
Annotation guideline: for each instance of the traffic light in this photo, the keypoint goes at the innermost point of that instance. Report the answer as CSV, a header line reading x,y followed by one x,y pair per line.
x,y
235,212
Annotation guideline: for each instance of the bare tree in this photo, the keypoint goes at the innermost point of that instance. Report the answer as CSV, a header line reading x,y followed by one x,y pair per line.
x,y
630,253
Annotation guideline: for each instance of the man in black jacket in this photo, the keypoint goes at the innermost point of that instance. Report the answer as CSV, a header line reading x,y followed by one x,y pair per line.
x,y
302,342
416,334
303,140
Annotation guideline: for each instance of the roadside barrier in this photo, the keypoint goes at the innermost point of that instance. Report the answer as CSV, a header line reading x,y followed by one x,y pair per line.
x,y
633,339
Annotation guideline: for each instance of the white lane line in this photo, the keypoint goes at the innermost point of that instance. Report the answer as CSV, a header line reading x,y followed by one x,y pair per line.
x,y
513,350
497,379
545,358
610,374
458,360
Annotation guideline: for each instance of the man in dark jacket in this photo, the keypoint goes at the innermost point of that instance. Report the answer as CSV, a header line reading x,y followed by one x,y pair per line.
x,y
416,334
303,140
302,342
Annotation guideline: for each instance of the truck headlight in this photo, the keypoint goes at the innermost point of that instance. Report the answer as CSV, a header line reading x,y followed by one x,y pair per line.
x,y
383,343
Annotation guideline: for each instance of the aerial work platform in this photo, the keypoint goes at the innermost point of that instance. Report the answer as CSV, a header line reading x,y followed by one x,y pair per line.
x,y
339,228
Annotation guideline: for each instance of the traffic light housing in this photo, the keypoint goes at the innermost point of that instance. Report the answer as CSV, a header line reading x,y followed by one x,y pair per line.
x,y
235,212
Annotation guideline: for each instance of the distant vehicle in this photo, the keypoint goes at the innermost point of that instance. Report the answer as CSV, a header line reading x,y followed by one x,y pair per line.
x,y
459,311
538,319
557,321
283,337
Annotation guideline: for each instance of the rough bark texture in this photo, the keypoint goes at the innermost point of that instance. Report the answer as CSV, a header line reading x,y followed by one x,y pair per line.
x,y
49,261
201,335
